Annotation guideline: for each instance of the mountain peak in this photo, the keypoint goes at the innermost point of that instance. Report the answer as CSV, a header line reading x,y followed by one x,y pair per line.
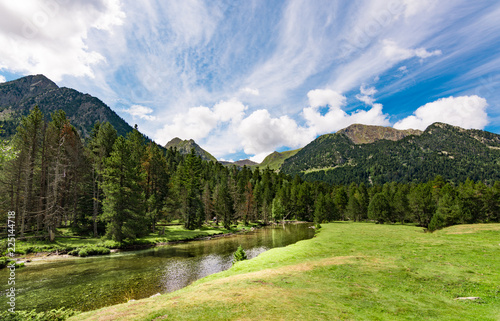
x,y
366,134
18,97
185,147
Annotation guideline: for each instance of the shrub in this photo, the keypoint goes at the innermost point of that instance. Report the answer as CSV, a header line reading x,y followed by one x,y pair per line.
x,y
82,253
239,255
3,261
51,315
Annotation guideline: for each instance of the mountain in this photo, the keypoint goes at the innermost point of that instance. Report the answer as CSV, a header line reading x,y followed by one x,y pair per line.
x,y
373,154
276,159
366,134
19,96
185,146
240,163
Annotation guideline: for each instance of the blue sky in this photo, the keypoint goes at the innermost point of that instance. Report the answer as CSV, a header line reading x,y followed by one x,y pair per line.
x,y
245,78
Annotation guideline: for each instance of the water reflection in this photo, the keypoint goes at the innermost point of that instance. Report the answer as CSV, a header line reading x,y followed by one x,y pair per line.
x,y
90,283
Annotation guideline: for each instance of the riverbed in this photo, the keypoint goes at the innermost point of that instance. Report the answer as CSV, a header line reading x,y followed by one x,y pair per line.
x,y
94,282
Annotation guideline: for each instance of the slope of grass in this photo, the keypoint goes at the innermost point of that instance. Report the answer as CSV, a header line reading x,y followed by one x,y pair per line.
x,y
349,271
274,160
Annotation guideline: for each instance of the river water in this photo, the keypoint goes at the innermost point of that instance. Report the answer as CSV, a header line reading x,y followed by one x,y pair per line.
x,y
93,282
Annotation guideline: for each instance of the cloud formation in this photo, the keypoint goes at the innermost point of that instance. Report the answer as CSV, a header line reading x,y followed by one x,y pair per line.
x,y
464,111
225,128
142,112
49,36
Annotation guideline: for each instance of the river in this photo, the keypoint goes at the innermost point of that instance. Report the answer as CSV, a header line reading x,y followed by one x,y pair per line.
x,y
94,282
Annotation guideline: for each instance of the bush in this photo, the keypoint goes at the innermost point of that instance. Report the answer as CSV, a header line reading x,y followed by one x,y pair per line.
x,y
97,250
90,250
110,244
239,255
51,315
3,261
437,222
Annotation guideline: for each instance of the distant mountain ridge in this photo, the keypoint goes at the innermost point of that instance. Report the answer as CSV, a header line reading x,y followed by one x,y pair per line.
x,y
452,152
19,96
185,147
367,134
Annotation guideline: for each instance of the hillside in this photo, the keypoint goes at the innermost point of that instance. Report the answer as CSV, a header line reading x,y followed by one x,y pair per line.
x,y
449,151
19,96
185,146
276,159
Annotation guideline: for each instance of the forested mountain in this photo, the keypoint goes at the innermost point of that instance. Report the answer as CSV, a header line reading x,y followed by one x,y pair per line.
x,y
19,96
452,152
185,146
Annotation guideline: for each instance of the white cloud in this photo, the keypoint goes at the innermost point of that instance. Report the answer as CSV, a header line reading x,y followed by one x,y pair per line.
x,y
231,110
262,134
324,97
381,56
395,53
49,37
142,112
2,79
336,118
463,111
250,91
200,121
366,95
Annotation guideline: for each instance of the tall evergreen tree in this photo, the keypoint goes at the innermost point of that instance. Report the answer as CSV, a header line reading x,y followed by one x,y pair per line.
x,y
124,199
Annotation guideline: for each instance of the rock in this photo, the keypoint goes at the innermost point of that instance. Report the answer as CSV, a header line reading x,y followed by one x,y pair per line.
x,y
468,298
157,294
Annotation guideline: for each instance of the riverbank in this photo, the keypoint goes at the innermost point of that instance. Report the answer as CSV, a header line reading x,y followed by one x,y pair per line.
x,y
349,271
36,250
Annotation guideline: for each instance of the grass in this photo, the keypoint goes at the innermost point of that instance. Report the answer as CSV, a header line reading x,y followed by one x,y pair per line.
x,y
173,233
349,271
275,160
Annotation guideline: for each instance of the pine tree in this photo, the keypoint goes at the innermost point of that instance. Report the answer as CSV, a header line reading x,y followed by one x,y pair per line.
x,y
124,200
99,148
379,209
223,203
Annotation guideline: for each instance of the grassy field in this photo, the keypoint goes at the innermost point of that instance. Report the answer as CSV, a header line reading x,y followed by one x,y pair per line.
x,y
173,233
349,271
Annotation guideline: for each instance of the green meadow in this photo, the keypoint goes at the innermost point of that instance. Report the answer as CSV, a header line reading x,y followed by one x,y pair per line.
x,y
348,271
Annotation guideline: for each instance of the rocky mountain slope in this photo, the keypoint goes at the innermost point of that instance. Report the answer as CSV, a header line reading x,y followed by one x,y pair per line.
x,y
19,96
185,146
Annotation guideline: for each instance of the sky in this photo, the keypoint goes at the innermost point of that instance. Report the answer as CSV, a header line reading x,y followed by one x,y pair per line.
x,y
246,78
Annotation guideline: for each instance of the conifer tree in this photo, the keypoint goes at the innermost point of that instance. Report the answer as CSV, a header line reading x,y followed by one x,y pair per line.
x,y
124,199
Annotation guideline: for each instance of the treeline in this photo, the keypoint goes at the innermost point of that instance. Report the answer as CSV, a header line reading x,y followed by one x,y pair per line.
x,y
122,187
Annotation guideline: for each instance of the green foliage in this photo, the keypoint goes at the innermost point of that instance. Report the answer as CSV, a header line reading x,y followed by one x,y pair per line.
x,y
379,209
83,253
51,315
124,203
239,255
